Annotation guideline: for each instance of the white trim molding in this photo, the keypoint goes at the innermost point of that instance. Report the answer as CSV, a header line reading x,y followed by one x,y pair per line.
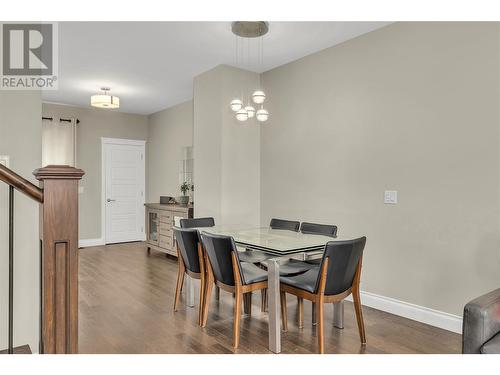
x,y
91,242
120,141
411,311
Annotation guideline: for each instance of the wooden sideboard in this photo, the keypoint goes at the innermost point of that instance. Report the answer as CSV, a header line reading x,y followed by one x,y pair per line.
x,y
159,221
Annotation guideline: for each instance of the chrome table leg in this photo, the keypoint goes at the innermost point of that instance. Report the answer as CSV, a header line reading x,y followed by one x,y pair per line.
x,y
338,314
189,291
273,293
313,313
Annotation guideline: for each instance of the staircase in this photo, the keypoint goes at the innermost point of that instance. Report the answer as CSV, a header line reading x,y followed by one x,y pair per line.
x,y
57,197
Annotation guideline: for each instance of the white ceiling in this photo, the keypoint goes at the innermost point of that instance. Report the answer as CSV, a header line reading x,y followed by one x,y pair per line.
x,y
151,65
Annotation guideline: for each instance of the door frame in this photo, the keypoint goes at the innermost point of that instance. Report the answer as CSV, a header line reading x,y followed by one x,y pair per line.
x,y
122,142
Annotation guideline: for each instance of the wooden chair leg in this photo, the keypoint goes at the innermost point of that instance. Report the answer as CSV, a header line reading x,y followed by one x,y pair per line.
x,y
237,317
359,316
247,303
320,327
300,306
263,298
206,303
180,282
284,315
202,299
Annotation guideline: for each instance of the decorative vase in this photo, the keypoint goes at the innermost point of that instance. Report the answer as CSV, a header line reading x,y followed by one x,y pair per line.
x,y
183,199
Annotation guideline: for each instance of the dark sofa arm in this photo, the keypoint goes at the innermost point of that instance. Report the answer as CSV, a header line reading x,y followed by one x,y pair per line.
x,y
481,322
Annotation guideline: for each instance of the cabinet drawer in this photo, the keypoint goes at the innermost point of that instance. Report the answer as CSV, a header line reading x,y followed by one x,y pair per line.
x,y
165,229
166,217
166,242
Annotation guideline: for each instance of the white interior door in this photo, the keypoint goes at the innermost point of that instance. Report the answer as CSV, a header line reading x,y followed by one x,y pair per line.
x,y
124,167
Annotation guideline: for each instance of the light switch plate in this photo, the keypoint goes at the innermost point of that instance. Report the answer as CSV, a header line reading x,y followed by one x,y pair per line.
x,y
390,197
80,190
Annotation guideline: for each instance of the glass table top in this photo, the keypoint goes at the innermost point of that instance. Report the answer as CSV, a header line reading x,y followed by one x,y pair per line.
x,y
276,241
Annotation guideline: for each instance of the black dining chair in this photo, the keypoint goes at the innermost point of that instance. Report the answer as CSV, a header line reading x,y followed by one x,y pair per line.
x,y
199,222
320,229
284,224
313,228
191,261
230,274
337,277
257,257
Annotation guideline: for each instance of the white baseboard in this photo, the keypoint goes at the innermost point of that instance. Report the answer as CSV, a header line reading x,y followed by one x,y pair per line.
x,y
421,314
91,242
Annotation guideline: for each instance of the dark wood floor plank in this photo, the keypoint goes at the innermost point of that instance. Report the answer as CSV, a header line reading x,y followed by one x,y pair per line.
x,y
126,306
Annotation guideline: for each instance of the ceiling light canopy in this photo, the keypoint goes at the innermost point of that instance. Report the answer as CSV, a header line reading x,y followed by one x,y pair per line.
x,y
105,100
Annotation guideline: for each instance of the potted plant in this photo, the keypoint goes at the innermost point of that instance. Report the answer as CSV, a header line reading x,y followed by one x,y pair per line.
x,y
185,187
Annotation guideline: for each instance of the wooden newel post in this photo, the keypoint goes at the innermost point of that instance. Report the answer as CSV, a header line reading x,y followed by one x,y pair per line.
x,y
59,236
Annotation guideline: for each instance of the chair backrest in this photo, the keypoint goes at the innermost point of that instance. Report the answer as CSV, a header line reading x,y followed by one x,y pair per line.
x,y
284,224
343,258
187,240
325,230
199,222
219,250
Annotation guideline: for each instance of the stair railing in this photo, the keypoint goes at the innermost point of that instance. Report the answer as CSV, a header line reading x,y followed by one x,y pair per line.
x,y
58,199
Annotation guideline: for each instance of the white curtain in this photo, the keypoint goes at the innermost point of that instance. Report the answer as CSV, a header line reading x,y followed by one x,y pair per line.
x,y
59,142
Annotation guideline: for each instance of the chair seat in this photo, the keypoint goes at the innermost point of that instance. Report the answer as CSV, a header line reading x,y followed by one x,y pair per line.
x,y
305,281
492,346
295,267
250,256
252,273
316,261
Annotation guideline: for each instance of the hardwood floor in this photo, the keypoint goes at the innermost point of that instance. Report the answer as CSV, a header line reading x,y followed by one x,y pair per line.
x,y
126,306
24,349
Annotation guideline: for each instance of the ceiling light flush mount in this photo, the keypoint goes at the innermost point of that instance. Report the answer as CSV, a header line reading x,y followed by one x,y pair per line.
x,y
246,30
105,100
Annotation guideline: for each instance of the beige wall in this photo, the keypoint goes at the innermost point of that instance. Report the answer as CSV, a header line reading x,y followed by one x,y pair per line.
x,y
21,139
411,107
226,152
95,124
168,132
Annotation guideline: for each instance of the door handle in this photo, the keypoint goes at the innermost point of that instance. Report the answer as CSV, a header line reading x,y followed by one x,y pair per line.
x,y
110,200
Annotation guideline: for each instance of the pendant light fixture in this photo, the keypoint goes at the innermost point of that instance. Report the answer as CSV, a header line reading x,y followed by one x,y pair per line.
x,y
105,100
245,30
236,105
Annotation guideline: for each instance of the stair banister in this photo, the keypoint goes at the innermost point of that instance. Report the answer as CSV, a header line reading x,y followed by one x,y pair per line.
x,y
58,198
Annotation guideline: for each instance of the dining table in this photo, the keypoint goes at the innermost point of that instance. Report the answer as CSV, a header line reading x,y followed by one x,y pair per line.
x,y
281,246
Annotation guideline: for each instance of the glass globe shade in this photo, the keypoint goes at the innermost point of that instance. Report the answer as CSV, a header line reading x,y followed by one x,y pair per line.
x,y
258,97
242,115
236,105
262,115
250,110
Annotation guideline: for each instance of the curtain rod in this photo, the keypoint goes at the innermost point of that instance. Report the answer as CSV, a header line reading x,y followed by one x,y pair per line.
x,y
60,120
